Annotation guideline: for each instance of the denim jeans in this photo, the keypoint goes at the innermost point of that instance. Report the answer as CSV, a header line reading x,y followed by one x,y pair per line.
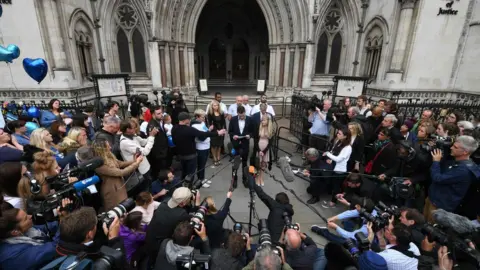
x,y
202,157
320,260
188,167
331,237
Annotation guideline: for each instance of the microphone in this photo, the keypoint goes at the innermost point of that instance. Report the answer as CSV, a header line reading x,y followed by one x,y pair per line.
x,y
284,165
457,223
236,162
35,187
83,184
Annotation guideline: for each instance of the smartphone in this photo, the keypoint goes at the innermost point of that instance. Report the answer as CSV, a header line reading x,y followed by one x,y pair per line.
x,y
138,152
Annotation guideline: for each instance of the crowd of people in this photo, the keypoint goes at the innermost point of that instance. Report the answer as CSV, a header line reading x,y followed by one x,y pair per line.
x,y
358,155
364,155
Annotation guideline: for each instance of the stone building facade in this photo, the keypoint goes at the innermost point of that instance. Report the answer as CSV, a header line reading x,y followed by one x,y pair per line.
x,y
407,45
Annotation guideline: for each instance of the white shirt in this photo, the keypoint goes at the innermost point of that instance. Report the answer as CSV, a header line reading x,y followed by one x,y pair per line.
x,y
256,109
202,145
399,261
16,202
128,148
2,123
147,214
222,106
143,127
168,128
363,110
248,109
232,110
342,159
241,125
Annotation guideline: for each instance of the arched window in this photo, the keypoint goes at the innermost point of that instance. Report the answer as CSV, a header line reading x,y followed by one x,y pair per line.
x,y
130,43
330,44
373,47
84,46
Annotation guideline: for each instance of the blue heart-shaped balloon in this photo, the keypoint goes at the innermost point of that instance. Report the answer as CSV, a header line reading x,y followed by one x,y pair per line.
x,y
1,10
5,55
15,50
36,68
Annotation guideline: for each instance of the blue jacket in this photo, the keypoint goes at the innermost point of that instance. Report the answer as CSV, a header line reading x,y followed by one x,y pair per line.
x,y
48,117
449,185
26,256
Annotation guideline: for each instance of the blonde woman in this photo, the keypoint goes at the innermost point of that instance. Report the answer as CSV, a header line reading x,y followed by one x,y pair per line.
x,y
216,117
214,220
265,134
112,173
42,139
76,138
358,145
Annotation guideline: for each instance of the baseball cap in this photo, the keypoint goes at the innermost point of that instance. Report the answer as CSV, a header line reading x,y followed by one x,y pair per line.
x,y
180,195
183,116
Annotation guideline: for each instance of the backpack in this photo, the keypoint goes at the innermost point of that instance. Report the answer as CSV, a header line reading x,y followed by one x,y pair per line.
x,y
68,262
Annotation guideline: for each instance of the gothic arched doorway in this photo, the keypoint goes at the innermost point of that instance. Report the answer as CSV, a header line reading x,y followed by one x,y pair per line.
x,y
217,57
236,29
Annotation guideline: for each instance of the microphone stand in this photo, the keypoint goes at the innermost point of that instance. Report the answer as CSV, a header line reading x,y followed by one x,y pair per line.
x,y
253,212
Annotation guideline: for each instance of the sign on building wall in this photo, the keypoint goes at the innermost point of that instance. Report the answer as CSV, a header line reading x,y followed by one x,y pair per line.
x,y
112,87
203,85
448,10
261,86
349,87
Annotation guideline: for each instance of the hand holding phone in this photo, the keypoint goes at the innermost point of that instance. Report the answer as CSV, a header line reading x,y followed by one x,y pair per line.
x,y
138,152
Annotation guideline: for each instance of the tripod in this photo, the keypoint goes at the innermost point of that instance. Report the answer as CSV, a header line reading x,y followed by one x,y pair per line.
x,y
252,215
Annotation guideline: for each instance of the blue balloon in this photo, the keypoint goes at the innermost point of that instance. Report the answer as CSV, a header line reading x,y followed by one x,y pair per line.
x,y
11,117
15,50
33,112
35,68
233,152
31,126
1,10
5,55
170,141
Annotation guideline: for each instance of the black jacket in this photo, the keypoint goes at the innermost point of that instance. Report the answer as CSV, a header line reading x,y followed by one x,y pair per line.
x,y
160,145
358,148
223,260
162,225
275,216
304,257
168,249
214,225
234,129
112,139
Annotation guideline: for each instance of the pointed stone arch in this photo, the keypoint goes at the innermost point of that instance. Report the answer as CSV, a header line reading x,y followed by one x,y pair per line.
x,y
378,23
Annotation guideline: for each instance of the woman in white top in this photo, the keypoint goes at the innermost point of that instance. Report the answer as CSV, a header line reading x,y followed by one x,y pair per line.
x,y
340,155
10,175
146,205
203,146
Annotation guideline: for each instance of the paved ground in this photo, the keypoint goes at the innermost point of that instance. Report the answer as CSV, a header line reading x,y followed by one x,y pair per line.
x,y
239,208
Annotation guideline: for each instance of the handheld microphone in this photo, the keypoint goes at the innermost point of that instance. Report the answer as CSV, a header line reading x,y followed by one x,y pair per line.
x,y
286,169
83,184
35,187
457,223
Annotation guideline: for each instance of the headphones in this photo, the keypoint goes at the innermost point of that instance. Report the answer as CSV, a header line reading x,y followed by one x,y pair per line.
x,y
35,187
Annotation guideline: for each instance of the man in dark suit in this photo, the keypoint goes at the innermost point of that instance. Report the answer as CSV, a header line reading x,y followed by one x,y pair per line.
x,y
159,156
241,130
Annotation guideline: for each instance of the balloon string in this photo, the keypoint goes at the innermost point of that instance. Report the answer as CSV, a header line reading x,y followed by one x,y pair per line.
x,y
11,76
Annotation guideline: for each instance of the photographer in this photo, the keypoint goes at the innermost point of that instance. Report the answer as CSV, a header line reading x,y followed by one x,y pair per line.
x,y
23,246
277,207
266,258
231,255
215,218
301,250
415,221
179,245
400,253
166,218
320,130
449,186
165,185
176,106
78,230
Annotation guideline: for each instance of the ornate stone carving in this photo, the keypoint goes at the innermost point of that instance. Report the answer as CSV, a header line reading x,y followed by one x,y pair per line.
x,y
279,16
176,10
289,15
126,16
188,11
407,4
333,21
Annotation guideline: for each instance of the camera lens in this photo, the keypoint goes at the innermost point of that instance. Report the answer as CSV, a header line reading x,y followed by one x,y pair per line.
x,y
264,238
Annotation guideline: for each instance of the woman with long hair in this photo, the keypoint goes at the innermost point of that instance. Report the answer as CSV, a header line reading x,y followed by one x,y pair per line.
x,y
265,134
339,155
76,138
58,129
53,114
112,173
215,218
215,117
133,233
10,175
358,146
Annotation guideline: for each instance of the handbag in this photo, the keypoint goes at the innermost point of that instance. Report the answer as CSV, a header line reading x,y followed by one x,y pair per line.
x,y
133,180
369,166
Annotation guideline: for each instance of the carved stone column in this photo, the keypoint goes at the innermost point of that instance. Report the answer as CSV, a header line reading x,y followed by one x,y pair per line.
x,y
272,66
402,38
291,66
155,70
172,65
191,66
301,64
308,66
285,64
181,64
163,67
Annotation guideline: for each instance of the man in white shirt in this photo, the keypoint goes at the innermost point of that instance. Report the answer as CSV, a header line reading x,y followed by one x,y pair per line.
x,y
248,108
401,253
256,108
218,97
232,110
362,106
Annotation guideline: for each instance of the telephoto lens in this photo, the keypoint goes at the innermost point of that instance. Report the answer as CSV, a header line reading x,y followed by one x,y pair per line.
x,y
118,211
288,222
197,219
264,234
350,245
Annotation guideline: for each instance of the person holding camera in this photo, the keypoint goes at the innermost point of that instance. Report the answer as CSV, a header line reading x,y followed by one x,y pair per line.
x,y
166,218
300,249
23,246
78,230
450,185
400,253
179,244
415,221
231,254
268,258
215,218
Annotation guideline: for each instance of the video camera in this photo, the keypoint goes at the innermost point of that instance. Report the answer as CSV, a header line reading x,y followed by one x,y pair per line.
x,y
288,222
264,239
108,258
118,211
44,211
379,222
193,261
441,143
60,180
199,216
397,188
357,249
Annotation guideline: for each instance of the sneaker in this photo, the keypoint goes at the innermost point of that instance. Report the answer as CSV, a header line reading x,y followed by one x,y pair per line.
x,y
316,228
262,184
205,181
206,185
213,166
326,204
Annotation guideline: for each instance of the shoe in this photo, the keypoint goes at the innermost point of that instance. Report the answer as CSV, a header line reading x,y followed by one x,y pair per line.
x,y
213,166
206,185
313,200
304,158
205,181
328,205
317,229
262,185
